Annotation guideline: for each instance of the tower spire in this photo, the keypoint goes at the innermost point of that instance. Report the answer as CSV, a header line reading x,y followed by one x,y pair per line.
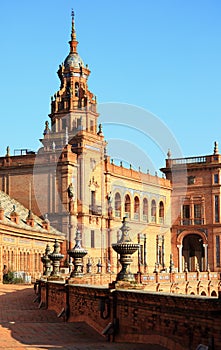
x,y
73,43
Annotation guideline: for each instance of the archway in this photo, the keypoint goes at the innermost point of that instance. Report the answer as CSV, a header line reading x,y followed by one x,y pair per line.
x,y
193,252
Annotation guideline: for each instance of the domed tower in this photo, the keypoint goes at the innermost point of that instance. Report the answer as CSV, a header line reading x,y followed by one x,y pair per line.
x,y
73,107
76,139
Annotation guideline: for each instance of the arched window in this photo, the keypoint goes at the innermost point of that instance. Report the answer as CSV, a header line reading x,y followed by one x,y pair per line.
x,y
127,206
136,208
153,211
161,212
145,210
117,205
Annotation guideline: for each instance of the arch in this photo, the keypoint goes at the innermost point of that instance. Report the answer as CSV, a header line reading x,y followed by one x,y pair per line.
x,y
127,206
145,210
193,252
192,293
117,205
136,208
161,212
203,293
184,233
214,293
153,210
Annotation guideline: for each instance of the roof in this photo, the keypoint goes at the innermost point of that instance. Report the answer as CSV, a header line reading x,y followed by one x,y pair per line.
x,y
9,204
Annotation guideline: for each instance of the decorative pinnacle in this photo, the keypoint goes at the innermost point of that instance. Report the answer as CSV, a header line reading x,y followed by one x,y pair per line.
x,y
73,33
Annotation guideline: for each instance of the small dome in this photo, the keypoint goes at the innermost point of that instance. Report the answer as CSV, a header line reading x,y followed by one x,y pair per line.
x,y
73,60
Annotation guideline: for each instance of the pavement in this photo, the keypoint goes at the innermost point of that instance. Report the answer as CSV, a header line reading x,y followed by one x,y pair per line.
x,y
24,326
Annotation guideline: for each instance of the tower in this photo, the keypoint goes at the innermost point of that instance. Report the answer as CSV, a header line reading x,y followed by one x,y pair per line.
x,y
74,130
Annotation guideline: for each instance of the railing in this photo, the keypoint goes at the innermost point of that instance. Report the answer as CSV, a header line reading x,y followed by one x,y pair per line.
x,y
117,214
145,218
187,222
95,210
161,220
153,218
188,160
136,216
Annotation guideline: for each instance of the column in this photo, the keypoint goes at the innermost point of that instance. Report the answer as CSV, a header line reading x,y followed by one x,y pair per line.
x,y
205,246
180,257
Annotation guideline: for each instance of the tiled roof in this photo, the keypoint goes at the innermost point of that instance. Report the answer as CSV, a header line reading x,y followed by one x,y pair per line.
x,y
9,204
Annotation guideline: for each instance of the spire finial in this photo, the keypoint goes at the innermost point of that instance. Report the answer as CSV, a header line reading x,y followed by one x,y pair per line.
x,y
73,43
216,149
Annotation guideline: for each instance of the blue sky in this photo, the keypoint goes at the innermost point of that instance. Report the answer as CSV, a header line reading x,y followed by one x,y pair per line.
x,y
163,56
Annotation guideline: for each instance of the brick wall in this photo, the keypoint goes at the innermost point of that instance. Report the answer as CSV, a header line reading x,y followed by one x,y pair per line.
x,y
175,322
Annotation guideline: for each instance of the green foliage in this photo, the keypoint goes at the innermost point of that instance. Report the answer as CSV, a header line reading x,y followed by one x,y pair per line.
x,y
8,278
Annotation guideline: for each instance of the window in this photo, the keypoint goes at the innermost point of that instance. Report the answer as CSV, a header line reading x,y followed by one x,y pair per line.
x,y
215,178
161,212
145,210
153,211
197,214
186,214
136,208
217,251
191,180
117,205
127,206
216,204
92,239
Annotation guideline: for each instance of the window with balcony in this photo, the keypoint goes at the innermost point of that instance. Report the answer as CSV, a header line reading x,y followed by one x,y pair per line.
x,y
197,214
153,211
136,208
127,206
145,210
117,205
161,212
186,214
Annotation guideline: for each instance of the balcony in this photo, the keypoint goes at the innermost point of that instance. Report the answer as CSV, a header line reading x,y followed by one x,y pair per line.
x,y
136,216
95,210
117,214
187,222
145,218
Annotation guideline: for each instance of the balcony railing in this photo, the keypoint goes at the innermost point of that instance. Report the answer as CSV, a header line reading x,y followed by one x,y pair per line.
x,y
145,218
95,210
117,214
136,216
153,218
187,222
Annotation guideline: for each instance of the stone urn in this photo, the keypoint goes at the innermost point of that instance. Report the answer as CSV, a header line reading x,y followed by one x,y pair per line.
x,y
46,262
125,248
77,253
56,257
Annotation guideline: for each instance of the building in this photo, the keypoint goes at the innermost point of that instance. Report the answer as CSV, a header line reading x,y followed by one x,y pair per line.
x,y
23,238
72,179
196,219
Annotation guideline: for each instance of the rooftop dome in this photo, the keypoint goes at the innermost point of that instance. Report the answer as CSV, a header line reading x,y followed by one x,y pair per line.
x,y
73,60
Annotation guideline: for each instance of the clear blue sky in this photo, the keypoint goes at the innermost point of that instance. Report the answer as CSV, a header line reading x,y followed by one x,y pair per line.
x,y
161,55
